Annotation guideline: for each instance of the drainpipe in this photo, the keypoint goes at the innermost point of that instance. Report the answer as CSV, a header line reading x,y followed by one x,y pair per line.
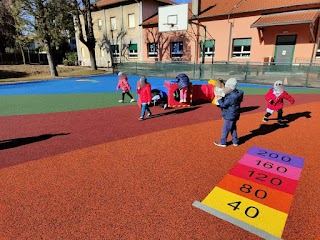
x,y
230,35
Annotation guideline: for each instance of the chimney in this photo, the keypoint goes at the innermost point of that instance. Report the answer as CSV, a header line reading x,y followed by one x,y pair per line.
x,y
195,7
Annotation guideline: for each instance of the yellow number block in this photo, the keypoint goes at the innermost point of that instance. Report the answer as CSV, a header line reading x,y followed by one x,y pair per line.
x,y
253,213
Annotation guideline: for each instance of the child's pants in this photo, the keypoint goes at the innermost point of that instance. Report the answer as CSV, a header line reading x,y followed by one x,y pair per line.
x,y
144,108
269,112
183,94
123,93
229,126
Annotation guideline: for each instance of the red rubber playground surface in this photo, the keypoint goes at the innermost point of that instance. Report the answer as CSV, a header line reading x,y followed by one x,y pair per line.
x,y
102,174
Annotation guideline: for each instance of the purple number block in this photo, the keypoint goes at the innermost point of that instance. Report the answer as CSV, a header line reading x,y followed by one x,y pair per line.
x,y
277,156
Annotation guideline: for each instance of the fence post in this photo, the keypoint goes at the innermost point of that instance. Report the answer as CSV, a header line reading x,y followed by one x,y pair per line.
x,y
246,72
165,70
308,72
212,71
136,68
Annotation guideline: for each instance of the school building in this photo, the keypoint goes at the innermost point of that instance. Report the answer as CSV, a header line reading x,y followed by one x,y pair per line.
x,y
117,30
254,31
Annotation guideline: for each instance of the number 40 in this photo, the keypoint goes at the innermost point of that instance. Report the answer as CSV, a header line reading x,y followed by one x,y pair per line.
x,y
250,213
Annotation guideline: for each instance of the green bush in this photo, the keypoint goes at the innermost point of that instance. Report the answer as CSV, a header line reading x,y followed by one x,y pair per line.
x,y
71,59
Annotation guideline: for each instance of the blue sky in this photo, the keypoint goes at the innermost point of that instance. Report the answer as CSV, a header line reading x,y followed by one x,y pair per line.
x,y
182,1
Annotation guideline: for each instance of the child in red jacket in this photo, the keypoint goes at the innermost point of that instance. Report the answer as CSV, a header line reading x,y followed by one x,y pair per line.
x,y
124,85
275,98
144,91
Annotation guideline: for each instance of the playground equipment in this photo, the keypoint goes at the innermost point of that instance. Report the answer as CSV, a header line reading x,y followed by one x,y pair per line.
x,y
197,93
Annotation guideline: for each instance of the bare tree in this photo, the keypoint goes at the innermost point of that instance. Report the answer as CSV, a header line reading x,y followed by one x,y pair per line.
x,y
89,41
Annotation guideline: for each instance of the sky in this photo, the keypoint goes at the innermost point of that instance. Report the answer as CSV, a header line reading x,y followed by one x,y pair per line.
x,y
182,1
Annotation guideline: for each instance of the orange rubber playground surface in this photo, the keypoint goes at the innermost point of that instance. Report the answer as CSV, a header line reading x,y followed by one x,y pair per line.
x,y
102,174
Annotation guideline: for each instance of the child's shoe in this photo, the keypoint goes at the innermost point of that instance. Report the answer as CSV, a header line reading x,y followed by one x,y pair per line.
x,y
120,100
165,106
132,100
149,115
280,122
141,118
264,119
219,144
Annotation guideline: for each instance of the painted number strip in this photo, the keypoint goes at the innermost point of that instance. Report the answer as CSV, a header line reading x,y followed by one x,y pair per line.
x,y
270,197
281,169
277,156
246,210
264,178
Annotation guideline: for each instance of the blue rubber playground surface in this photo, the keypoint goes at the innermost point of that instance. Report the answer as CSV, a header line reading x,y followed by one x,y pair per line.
x,y
91,84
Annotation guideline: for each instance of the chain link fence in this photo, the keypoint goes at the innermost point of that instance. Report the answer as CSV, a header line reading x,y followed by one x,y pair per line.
x,y
302,75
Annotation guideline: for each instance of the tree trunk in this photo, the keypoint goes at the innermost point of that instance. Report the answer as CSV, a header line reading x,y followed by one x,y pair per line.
x,y
51,61
22,53
93,59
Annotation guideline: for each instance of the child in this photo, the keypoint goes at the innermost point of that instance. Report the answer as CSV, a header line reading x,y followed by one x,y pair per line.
x,y
124,85
160,98
275,98
230,105
183,83
218,90
144,91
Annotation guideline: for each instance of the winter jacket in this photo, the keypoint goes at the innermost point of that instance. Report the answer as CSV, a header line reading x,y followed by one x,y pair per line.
x,y
230,105
123,84
276,103
145,93
182,80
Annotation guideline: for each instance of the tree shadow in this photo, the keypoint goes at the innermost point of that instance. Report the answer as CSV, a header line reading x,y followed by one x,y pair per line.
x,y
11,74
248,109
177,111
17,142
265,129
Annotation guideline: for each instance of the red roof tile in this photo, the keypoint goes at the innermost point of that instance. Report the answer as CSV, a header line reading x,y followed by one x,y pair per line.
x,y
287,18
224,7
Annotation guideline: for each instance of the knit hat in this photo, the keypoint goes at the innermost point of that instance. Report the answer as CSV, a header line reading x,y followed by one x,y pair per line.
x,y
231,83
120,73
277,83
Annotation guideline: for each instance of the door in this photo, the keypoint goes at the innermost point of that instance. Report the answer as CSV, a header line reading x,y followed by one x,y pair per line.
x,y
284,49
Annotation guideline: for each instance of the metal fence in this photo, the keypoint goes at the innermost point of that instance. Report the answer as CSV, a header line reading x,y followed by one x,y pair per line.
x,y
303,75
30,58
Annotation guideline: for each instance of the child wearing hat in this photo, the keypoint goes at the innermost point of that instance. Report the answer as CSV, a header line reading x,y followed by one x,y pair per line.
x,y
230,105
275,97
124,85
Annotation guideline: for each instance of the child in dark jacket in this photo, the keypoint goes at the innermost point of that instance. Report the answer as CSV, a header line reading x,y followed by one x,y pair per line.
x,y
275,97
144,91
230,105
183,83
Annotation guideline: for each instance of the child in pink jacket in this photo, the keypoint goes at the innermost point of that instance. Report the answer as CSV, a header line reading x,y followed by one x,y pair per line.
x,y
123,84
275,97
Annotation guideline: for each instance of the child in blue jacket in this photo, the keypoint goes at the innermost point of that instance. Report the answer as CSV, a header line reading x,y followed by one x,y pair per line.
x,y
230,105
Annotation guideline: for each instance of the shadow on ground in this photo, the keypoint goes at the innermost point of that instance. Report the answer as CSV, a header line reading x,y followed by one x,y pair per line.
x,y
269,128
11,74
176,111
17,142
248,109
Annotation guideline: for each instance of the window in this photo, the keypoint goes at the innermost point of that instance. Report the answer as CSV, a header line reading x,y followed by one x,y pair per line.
x,y
318,50
208,48
99,24
133,50
152,49
115,50
131,20
241,47
176,49
113,23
